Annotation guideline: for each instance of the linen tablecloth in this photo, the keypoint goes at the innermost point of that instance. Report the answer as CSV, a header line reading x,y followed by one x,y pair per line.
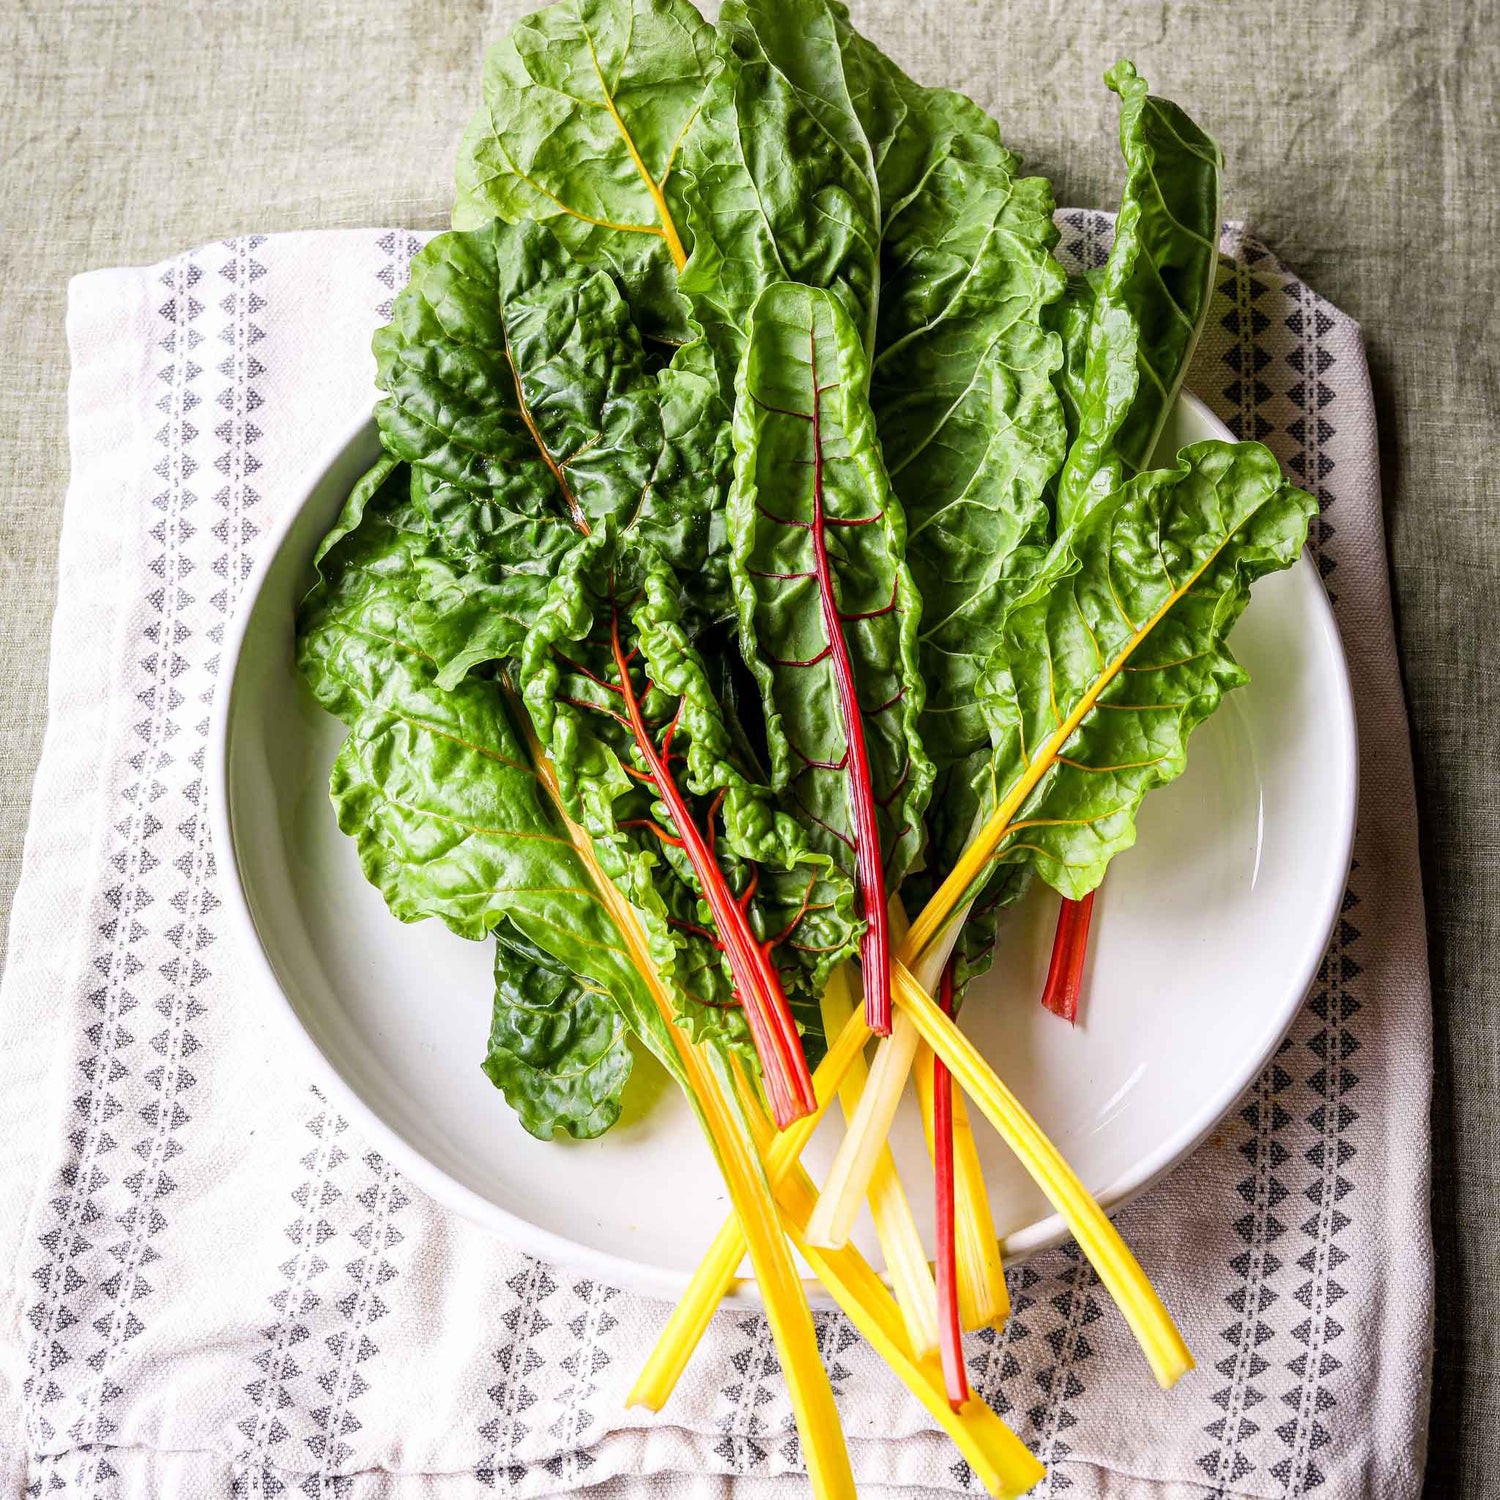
x,y
213,1286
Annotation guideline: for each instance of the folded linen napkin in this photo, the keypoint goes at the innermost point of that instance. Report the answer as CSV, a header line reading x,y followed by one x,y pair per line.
x,y
213,1286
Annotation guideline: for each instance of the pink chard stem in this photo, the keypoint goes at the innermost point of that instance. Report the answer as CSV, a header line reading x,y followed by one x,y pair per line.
x,y
789,1087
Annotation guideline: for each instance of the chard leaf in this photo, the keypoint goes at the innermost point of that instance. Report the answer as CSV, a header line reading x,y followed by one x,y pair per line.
x,y
437,786
380,558
586,106
781,179
613,621
1118,652
518,387
386,472
828,611
962,390
964,400
557,1047
1131,328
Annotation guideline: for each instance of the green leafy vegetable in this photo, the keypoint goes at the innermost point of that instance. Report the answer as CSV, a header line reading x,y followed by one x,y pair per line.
x,y
557,1047
1139,316
670,740
1131,328
1118,652
586,106
828,612
458,816
1107,663
970,422
782,180
517,385
646,763
968,416
435,784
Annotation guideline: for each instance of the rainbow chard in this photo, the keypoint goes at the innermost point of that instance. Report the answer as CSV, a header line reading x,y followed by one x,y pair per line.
x,y
1113,657
437,790
647,764
969,419
458,815
827,608
538,429
546,441
1129,330
517,386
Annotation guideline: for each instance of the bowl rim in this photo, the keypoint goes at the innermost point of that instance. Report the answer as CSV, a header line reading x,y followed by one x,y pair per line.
x,y
642,1275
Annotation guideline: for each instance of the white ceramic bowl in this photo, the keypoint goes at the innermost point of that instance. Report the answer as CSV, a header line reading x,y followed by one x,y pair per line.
x,y
1206,937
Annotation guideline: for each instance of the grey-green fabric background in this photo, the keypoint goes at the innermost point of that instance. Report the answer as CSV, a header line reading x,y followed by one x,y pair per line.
x,y
1362,144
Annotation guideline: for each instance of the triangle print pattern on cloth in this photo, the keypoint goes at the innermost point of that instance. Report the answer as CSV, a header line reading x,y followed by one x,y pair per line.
x,y
155,916
218,1288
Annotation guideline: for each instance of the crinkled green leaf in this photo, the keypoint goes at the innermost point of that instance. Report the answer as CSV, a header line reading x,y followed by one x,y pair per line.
x,y
387,471
380,556
1141,315
1119,651
962,383
517,386
570,677
586,105
780,179
968,417
436,786
819,570
557,1047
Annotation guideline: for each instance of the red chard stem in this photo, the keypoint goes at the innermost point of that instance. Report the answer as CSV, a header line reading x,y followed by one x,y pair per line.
x,y
875,946
789,1088
1069,949
950,1334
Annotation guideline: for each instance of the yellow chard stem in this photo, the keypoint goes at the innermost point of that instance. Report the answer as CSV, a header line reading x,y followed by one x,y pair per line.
x,y
1118,1269
715,1275
755,1212
1098,1238
982,1293
1000,1460
823,1447
895,1228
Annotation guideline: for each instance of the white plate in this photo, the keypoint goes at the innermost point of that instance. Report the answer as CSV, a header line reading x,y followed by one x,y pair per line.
x,y
1206,937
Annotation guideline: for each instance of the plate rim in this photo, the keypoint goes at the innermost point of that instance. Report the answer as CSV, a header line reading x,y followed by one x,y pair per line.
x,y
642,1276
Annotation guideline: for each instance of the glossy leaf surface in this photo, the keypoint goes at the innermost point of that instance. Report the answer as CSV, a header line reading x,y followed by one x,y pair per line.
x,y
1115,656
586,106
436,785
828,612
782,179
1140,315
517,385
607,608
557,1047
